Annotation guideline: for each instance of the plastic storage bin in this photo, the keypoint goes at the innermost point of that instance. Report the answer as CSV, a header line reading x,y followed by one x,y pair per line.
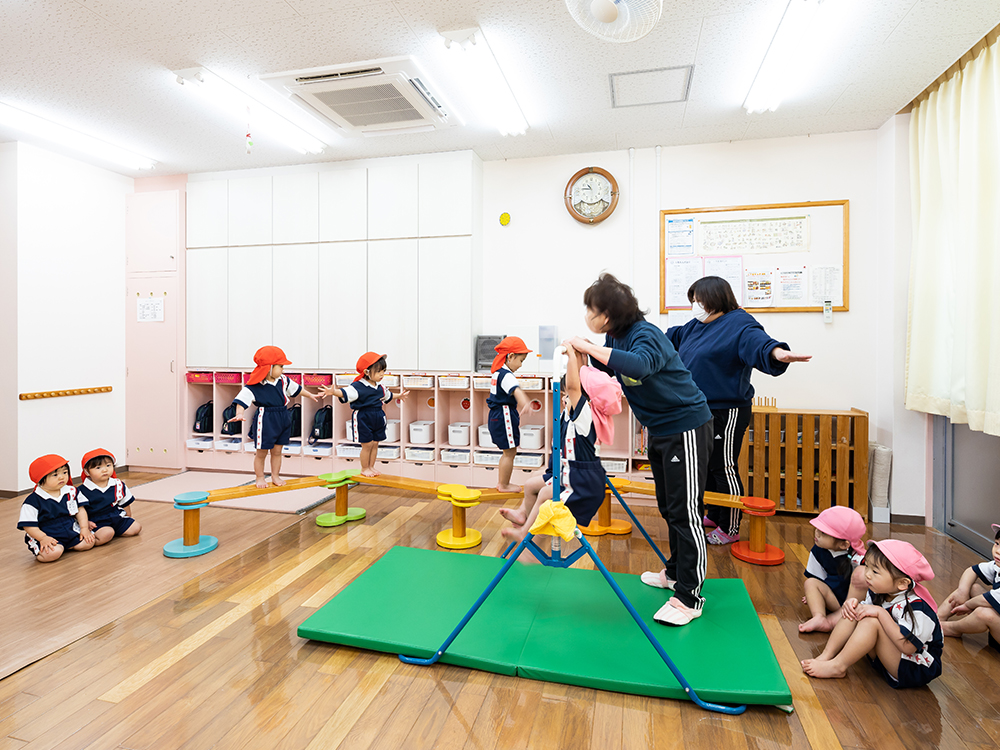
x,y
485,441
314,379
453,381
529,460
531,384
344,378
294,448
418,381
200,443
487,458
228,378
614,464
458,433
318,449
392,430
388,452
481,383
229,444
199,377
390,381
422,432
451,456
348,450
419,454
532,436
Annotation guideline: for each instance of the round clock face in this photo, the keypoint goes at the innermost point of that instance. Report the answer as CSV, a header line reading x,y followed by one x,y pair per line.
x,y
591,195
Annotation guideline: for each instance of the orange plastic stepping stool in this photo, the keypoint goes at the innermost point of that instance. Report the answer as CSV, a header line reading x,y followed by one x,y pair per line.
x,y
603,523
757,550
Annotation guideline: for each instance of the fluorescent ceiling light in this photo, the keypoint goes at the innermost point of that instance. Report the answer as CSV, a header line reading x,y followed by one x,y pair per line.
x,y
804,38
485,84
241,108
39,127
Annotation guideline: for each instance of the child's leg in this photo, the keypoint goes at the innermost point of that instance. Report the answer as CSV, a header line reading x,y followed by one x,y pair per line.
x,y
83,546
368,453
980,620
103,535
840,635
50,556
506,469
868,637
820,599
857,590
517,533
276,466
258,467
956,597
518,516
134,529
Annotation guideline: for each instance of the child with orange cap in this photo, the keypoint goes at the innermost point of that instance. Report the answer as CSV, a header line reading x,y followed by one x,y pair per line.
x,y
504,421
53,517
271,391
366,396
108,499
897,625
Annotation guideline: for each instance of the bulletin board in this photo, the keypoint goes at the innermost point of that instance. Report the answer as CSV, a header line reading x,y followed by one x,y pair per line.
x,y
780,257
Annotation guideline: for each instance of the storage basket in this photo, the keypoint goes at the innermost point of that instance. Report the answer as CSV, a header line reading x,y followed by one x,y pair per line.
x,y
200,443
419,454
391,381
316,379
229,444
481,383
450,456
228,378
418,381
486,458
318,449
345,378
387,452
614,464
294,448
453,381
529,460
199,377
348,450
531,384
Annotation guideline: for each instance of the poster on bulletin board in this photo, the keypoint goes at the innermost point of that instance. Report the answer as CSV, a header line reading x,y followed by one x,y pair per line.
x,y
781,257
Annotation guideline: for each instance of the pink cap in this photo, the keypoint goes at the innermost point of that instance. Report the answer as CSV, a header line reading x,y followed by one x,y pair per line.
x,y
841,522
605,401
911,563
996,527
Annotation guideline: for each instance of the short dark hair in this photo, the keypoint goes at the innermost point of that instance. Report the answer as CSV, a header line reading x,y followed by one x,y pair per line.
x,y
616,300
996,537
714,293
97,461
376,366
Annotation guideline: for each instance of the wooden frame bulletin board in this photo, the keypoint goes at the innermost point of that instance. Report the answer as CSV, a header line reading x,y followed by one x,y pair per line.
x,y
779,257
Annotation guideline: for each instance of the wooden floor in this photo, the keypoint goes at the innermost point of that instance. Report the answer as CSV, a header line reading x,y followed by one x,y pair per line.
x,y
216,663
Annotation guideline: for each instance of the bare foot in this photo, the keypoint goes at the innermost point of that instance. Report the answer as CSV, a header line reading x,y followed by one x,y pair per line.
x,y
948,628
815,625
823,669
508,488
369,473
515,534
278,481
261,483
514,515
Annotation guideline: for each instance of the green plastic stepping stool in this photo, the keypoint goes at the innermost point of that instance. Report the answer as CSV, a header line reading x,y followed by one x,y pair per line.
x,y
342,514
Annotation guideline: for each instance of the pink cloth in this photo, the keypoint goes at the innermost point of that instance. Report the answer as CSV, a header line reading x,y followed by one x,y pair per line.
x,y
605,401
913,565
841,522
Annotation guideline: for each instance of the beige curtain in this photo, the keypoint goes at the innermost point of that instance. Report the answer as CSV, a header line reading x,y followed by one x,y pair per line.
x,y
953,336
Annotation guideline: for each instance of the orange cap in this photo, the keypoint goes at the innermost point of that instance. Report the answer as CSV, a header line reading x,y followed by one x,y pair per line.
x,y
365,361
265,358
45,465
510,345
90,456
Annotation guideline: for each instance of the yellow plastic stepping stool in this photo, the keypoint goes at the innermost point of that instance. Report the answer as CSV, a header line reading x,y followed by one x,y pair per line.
x,y
461,498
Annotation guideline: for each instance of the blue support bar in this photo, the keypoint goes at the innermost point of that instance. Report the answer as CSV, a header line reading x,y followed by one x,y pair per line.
x,y
636,522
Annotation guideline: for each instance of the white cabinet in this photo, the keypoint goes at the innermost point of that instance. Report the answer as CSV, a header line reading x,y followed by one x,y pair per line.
x,y
444,303
296,208
295,303
250,211
152,231
445,198
392,201
249,303
208,213
343,205
392,301
343,304
207,307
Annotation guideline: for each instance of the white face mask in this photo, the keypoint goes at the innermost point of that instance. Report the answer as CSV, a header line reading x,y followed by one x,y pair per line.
x,y
700,313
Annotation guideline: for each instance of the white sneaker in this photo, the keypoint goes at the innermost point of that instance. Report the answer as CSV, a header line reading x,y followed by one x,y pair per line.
x,y
675,612
657,580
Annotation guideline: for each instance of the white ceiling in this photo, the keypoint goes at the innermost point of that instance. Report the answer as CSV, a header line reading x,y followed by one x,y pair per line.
x,y
104,66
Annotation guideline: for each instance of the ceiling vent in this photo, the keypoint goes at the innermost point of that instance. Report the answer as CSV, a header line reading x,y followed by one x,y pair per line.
x,y
640,88
378,97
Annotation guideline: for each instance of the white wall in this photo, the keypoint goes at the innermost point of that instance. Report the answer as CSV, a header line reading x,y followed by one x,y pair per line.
x,y
70,306
8,313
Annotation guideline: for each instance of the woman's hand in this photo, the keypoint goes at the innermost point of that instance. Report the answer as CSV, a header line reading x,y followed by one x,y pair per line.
x,y
783,355
580,344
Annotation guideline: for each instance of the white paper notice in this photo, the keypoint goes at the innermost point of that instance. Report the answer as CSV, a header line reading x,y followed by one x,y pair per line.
x,y
744,236
758,285
680,236
729,268
826,283
680,274
679,317
791,285
149,310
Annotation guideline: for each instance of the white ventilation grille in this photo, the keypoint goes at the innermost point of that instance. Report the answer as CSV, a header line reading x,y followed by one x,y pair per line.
x,y
640,88
371,105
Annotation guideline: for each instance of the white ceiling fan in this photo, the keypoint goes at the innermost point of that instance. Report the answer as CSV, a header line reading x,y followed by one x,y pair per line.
x,y
616,20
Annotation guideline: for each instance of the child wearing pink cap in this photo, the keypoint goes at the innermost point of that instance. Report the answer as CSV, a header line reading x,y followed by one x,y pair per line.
x,y
896,626
591,399
832,572
974,607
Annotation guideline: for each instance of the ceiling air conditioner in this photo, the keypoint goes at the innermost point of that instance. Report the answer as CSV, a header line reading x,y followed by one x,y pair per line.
x,y
378,97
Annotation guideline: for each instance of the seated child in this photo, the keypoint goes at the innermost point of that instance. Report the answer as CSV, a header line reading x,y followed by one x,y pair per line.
x,y
366,396
504,419
270,390
54,517
974,607
591,399
832,561
108,499
896,626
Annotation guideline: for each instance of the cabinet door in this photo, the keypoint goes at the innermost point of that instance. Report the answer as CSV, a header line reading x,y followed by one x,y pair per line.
x,y
445,198
444,304
152,231
295,306
343,305
392,201
207,293
296,208
250,209
343,205
392,301
249,303
208,213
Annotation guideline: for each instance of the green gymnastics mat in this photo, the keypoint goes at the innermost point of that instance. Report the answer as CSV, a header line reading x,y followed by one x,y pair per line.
x,y
554,624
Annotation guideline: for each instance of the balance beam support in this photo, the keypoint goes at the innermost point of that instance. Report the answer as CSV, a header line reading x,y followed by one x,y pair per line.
x,y
192,544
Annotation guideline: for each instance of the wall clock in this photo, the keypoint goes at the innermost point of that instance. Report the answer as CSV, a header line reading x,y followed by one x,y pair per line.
x,y
591,195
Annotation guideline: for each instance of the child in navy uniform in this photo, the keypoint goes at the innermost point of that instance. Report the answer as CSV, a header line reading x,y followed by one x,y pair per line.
x,y
834,571
974,607
271,391
591,399
108,499
504,421
896,626
53,517
366,396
